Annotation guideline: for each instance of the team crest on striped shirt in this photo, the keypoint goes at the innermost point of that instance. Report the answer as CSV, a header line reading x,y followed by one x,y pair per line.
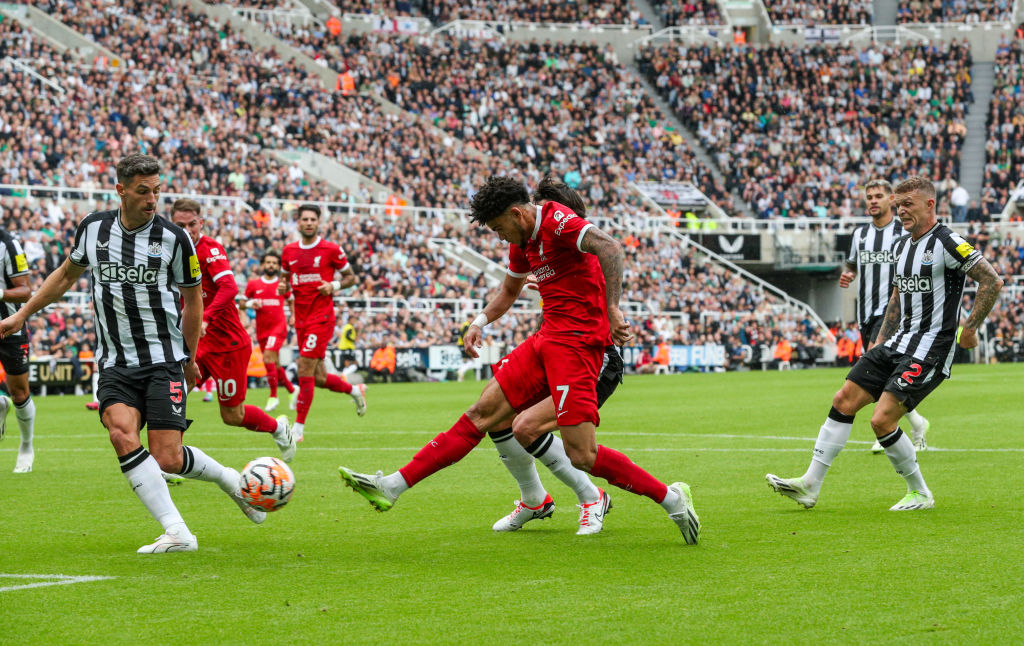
x,y
155,250
928,258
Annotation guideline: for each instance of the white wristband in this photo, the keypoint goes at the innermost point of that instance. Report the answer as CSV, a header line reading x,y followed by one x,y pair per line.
x,y
250,303
1,294
480,321
336,284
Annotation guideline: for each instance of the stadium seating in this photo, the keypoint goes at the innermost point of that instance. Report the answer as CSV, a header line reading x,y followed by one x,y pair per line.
x,y
798,130
819,12
969,11
688,12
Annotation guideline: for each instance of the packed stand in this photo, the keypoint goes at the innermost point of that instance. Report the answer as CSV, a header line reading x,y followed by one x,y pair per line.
x,y
969,11
797,130
595,128
688,12
1004,150
819,12
600,12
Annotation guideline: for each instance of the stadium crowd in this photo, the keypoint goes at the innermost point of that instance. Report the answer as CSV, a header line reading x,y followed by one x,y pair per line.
x,y
819,12
798,130
969,11
1004,150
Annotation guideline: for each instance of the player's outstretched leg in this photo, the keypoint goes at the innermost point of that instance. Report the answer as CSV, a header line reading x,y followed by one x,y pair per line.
x,y
199,466
143,475
25,412
534,502
832,437
444,450
620,471
918,428
336,384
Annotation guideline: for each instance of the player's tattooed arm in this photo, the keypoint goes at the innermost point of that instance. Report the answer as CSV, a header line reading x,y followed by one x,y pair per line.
x,y
891,319
989,285
348,278
609,254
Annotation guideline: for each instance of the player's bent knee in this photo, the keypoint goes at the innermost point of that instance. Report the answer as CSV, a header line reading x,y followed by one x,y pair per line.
x,y
232,416
170,461
581,458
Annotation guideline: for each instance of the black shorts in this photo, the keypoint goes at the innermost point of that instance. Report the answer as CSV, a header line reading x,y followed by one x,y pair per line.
x,y
611,375
908,379
158,392
869,330
14,354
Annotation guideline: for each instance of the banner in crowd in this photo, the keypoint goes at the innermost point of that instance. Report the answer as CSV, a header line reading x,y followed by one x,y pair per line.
x,y
449,357
680,194
59,372
819,35
731,246
398,25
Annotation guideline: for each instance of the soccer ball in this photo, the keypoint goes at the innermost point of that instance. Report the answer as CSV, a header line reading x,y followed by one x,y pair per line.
x,y
267,483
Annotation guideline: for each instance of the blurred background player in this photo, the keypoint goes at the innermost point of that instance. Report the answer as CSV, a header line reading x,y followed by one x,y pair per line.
x,y
920,332
579,273
308,267
14,350
271,324
224,345
871,258
145,268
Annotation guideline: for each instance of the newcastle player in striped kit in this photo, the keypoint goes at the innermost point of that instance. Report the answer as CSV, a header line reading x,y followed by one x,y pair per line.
x,y
142,267
871,257
918,338
14,350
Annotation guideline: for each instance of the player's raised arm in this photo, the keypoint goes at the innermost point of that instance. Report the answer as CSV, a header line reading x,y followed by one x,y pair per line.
x,y
507,294
55,285
989,286
609,254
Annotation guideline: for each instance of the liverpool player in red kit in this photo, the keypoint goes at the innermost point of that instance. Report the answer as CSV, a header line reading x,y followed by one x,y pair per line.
x,y
271,323
308,266
579,272
224,345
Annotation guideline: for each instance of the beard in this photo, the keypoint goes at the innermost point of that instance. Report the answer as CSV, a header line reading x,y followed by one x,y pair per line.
x,y
270,273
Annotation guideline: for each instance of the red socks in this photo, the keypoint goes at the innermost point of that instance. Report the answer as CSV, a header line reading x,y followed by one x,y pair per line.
x,y
337,384
271,377
256,420
306,387
444,450
282,378
620,471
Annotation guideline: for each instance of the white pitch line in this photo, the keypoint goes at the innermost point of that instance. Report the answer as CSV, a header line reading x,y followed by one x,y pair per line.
x,y
57,579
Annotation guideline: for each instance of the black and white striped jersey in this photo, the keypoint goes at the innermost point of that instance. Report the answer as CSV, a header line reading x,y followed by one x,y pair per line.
x,y
871,251
135,280
930,275
12,264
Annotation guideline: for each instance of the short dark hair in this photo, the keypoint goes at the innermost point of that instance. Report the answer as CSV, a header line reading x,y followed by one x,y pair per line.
x,y
496,196
134,165
879,183
556,191
187,205
269,254
916,183
312,208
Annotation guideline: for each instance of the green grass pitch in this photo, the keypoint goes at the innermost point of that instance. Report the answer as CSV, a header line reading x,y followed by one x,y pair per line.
x,y
328,569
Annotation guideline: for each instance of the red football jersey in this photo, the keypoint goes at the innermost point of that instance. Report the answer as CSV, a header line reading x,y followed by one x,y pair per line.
x,y
308,266
270,317
223,327
571,282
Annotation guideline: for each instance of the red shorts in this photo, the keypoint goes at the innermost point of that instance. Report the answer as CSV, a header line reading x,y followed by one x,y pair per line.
x,y
314,338
273,341
541,367
229,369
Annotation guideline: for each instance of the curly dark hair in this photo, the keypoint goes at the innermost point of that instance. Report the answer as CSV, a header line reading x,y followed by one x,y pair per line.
x,y
269,254
135,165
495,197
556,191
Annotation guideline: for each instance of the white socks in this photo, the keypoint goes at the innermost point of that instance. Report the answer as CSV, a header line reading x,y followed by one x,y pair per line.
x,y
832,437
550,450
916,421
520,464
25,412
670,501
143,474
395,484
199,466
900,451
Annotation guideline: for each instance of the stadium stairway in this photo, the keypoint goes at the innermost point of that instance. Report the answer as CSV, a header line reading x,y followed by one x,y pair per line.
x,y
57,33
698,150
884,12
650,15
972,157
478,263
